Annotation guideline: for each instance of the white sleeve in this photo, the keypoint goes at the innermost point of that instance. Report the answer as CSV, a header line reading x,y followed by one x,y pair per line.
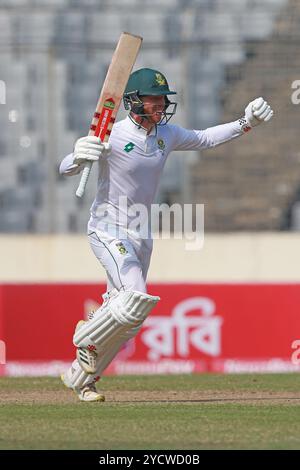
x,y
68,168
184,139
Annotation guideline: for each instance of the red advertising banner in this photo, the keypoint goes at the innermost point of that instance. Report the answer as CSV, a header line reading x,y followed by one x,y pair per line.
x,y
194,328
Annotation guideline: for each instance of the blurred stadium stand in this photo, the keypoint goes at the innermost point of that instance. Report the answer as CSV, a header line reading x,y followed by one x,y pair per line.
x,y
217,54
255,185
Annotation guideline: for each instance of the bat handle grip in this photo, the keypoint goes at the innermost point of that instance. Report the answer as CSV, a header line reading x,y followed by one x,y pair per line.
x,y
83,180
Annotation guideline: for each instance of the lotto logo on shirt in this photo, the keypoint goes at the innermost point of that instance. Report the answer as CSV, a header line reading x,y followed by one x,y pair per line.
x,y
128,147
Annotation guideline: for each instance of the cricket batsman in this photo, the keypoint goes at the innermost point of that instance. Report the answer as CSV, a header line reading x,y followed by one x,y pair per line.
x,y
130,166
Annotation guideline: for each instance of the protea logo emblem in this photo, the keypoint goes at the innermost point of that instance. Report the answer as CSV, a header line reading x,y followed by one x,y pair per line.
x,y
161,144
160,79
121,248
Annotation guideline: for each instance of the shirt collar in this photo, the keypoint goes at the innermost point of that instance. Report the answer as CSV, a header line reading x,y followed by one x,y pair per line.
x,y
138,130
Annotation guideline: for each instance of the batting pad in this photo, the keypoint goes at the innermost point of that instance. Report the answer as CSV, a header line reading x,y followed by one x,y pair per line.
x,y
77,378
125,311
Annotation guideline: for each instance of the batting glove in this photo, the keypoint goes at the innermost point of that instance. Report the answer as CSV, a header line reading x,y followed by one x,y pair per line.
x,y
258,111
90,149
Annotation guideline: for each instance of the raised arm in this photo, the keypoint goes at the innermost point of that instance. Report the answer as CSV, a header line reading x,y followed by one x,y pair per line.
x,y
257,112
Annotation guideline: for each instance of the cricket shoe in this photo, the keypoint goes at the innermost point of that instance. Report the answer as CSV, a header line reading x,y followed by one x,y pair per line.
x,y
87,357
88,392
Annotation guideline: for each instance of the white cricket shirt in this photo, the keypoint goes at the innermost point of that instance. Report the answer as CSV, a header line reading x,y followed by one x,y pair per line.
x,y
132,171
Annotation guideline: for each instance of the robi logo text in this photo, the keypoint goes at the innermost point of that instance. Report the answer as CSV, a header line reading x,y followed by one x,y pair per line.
x,y
2,353
296,354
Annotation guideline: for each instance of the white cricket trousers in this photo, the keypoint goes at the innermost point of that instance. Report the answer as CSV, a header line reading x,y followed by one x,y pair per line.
x,y
125,260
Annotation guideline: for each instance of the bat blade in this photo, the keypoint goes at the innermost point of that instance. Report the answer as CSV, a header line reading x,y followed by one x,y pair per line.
x,y
111,94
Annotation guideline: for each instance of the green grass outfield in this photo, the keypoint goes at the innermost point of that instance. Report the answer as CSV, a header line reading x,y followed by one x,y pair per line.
x,y
154,412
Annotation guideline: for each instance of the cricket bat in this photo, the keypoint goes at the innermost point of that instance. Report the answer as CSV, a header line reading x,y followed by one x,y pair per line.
x,y
111,94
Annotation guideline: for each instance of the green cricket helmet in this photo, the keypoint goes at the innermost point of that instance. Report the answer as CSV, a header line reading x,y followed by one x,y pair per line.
x,y
148,82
